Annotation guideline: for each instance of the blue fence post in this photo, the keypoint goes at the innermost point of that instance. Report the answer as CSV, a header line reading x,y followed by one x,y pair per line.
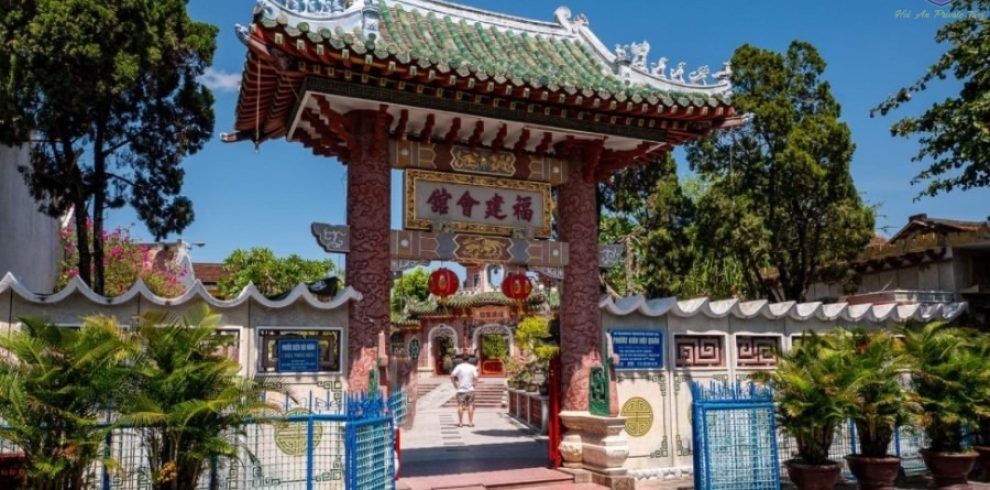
x,y
107,452
897,441
852,437
309,451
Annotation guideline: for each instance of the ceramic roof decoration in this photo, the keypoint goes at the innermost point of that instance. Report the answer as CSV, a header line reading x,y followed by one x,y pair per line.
x,y
470,300
468,61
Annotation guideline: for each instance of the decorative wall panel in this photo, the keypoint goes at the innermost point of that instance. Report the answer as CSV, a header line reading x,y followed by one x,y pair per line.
x,y
757,351
694,351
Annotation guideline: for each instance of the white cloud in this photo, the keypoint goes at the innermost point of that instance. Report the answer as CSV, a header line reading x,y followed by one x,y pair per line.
x,y
221,81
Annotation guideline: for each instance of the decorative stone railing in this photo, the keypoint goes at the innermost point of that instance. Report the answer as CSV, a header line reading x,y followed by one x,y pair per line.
x,y
529,408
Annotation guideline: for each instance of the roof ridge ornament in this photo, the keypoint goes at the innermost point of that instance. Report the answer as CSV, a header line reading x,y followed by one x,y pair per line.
x,y
311,8
371,19
572,24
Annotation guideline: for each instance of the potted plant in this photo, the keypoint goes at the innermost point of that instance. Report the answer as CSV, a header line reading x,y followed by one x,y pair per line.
x,y
874,366
533,338
948,375
812,400
982,446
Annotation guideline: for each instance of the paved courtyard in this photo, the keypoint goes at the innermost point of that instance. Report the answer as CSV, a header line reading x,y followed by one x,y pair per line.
x,y
497,452
436,446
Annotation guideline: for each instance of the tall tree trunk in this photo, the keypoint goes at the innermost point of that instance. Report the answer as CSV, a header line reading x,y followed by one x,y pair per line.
x,y
99,203
82,241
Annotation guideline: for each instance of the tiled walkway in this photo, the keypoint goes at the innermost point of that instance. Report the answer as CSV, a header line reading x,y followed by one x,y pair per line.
x,y
496,452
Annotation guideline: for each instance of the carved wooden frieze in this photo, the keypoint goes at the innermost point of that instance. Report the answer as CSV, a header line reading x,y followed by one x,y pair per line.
x,y
410,248
407,154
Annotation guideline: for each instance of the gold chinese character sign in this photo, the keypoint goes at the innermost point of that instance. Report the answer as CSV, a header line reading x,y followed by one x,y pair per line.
x,y
476,204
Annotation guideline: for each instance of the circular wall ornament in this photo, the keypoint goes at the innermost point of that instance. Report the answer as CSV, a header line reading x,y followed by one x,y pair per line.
x,y
639,416
290,437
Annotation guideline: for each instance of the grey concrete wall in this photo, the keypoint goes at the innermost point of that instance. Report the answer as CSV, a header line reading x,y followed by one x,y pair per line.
x,y
29,244
947,275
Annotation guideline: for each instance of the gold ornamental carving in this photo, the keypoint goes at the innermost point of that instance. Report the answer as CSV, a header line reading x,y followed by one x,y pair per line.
x,y
483,161
639,416
482,249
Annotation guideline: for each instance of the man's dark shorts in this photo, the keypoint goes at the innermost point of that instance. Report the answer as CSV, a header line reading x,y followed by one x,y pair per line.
x,y
465,399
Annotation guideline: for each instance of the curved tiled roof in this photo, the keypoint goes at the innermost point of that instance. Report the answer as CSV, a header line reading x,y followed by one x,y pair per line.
x,y
196,292
797,311
562,55
474,300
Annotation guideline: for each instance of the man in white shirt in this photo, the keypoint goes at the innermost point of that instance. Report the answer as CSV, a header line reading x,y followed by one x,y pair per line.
x,y
464,376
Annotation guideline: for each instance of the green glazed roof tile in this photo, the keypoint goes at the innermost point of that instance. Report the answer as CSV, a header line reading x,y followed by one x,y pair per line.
x,y
474,48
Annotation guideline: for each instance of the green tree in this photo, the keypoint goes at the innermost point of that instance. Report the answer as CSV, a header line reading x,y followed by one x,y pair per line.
x,y
106,94
954,133
781,200
645,209
55,387
188,402
270,274
411,286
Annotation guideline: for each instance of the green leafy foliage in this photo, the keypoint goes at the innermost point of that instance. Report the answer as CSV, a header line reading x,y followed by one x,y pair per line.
x,y
106,94
875,368
813,396
494,346
270,274
166,379
187,397
533,339
950,374
955,133
646,210
54,389
780,199
411,286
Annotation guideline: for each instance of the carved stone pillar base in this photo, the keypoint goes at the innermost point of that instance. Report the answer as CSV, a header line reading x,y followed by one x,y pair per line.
x,y
596,444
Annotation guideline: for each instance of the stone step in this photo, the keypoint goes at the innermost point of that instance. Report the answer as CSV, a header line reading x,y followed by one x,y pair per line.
x,y
491,480
570,486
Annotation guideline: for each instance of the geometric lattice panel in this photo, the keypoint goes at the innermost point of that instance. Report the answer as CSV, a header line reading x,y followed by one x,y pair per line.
x,y
695,351
756,351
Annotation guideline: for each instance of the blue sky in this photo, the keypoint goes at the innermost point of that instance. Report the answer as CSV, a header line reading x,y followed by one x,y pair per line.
x,y
246,198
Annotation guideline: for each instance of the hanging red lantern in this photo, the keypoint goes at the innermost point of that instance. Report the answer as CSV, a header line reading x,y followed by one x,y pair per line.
x,y
443,282
516,286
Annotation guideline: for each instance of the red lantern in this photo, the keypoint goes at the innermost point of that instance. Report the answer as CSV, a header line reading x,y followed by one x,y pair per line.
x,y
516,286
443,282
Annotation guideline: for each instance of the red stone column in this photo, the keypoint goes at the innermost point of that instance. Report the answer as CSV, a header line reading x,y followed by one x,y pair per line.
x,y
580,320
368,262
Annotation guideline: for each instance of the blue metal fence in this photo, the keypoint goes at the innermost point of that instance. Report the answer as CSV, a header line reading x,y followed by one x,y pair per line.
x,y
735,440
319,444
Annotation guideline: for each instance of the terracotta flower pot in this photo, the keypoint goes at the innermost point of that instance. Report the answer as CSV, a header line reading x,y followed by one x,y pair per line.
x,y
13,468
813,476
874,473
983,456
949,470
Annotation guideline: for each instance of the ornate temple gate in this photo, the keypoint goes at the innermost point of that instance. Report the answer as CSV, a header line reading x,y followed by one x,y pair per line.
x,y
487,114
